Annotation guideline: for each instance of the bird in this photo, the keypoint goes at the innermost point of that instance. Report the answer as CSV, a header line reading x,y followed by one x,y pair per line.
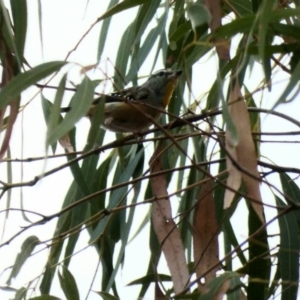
x,y
133,109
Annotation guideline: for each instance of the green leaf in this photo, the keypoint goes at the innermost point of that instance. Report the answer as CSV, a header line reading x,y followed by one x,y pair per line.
x,y
45,297
117,195
264,17
21,294
241,7
126,220
62,226
162,37
235,291
54,116
144,51
199,51
124,5
215,285
47,108
24,80
151,278
294,79
245,23
68,284
96,133
7,35
275,282
140,228
145,14
26,250
79,177
272,49
80,104
292,31
180,31
104,31
52,111
240,25
227,117
19,14
288,255
115,225
231,239
279,14
123,55
106,296
255,5
259,263
291,190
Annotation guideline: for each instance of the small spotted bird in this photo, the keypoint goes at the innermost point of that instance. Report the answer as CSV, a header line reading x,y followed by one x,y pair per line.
x,y
127,110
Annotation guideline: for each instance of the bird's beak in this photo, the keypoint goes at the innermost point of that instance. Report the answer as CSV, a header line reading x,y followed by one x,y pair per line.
x,y
175,75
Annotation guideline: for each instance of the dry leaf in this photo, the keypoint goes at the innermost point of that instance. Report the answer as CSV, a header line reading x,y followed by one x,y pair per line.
x,y
205,236
222,45
166,229
88,68
234,176
245,150
65,142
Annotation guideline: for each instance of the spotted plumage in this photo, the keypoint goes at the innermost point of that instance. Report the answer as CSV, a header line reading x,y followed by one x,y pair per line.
x,y
125,111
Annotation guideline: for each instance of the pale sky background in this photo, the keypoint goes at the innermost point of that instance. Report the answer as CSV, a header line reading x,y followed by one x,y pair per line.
x,y
64,22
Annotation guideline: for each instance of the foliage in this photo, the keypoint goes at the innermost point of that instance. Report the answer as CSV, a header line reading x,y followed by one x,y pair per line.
x,y
222,210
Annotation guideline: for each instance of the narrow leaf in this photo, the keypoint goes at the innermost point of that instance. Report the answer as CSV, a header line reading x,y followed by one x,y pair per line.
x,y
124,5
117,195
288,255
104,31
222,45
24,80
259,263
144,51
291,190
7,30
68,284
294,79
264,16
47,108
54,117
245,150
219,286
19,14
150,278
165,228
205,234
21,294
80,104
107,296
26,250
45,297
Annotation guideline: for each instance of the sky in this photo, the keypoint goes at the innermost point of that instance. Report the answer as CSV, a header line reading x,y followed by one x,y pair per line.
x,y
63,24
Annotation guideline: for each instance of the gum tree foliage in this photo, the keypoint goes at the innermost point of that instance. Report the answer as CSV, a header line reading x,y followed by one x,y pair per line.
x,y
203,174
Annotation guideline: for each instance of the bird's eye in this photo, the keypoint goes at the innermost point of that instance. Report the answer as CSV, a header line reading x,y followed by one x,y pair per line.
x,y
161,73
